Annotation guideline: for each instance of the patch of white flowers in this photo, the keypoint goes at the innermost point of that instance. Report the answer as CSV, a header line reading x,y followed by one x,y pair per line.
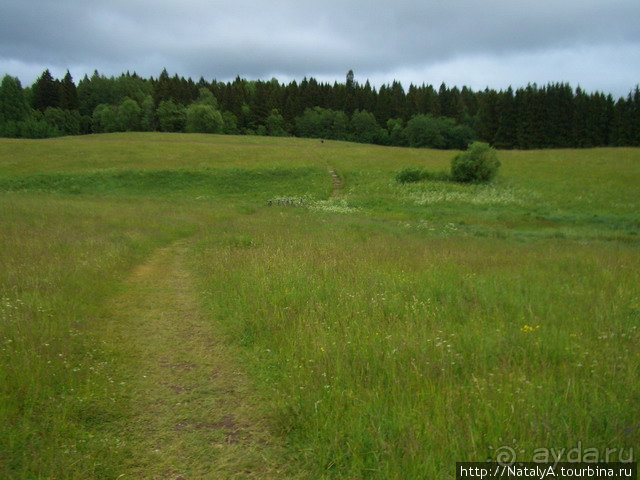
x,y
332,206
479,195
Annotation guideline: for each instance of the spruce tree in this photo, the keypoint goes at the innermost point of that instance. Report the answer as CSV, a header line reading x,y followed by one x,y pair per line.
x,y
291,102
430,101
45,92
383,105
634,117
68,93
366,97
505,135
349,104
413,101
488,119
398,102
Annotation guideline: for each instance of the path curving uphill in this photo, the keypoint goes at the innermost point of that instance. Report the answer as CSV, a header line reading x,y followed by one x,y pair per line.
x,y
337,182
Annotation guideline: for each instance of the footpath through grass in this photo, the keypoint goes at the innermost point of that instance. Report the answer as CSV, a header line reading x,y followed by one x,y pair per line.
x,y
160,320
60,260
191,412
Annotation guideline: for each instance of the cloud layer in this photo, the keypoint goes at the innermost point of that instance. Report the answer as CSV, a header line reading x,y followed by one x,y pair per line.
x,y
491,43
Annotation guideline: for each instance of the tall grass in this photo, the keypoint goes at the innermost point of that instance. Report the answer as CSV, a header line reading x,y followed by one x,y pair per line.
x,y
393,356
59,261
390,330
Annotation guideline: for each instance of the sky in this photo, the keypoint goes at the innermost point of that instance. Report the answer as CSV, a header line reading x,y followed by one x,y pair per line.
x,y
594,44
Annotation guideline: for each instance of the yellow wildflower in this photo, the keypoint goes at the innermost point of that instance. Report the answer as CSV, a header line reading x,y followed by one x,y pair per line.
x,y
529,329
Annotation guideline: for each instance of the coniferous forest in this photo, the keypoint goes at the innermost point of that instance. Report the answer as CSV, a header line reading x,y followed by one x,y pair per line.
x,y
531,117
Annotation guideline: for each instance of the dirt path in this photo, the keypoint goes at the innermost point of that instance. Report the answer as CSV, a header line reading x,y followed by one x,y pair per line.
x,y
337,182
191,407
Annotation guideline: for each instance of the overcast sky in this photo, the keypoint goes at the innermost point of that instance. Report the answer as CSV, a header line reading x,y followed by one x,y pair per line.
x,y
478,43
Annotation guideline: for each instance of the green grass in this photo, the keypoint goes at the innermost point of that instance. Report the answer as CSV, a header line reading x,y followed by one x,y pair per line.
x,y
387,331
200,184
60,259
389,355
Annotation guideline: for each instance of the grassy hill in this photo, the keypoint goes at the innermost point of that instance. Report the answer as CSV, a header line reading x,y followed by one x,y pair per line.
x,y
371,330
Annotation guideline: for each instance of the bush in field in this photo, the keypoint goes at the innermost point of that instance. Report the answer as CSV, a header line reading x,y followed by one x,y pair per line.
x,y
478,164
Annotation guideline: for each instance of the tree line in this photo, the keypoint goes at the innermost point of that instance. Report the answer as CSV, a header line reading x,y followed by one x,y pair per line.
x,y
551,116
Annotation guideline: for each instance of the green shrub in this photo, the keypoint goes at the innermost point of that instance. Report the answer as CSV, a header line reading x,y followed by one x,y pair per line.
x,y
478,164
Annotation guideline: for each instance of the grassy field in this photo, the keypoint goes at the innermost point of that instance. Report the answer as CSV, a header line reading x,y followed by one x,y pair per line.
x,y
159,320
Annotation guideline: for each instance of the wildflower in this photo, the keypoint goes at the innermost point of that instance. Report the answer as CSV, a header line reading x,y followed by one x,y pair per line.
x,y
529,329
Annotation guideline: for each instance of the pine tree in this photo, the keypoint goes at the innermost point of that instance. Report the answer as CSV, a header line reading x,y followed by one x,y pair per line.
x,y
580,133
383,105
530,108
430,101
634,118
398,102
558,113
366,97
446,104
505,135
618,128
262,103
488,120
162,88
45,92
291,107
413,101
68,93
349,104
470,101
455,106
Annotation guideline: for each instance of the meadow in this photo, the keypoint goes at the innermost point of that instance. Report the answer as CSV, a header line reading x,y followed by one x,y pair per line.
x,y
159,319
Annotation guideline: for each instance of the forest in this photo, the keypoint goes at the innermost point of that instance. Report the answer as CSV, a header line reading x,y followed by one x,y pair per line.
x,y
532,117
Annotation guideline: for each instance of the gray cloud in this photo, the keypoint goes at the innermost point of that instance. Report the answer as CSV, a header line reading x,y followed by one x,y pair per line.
x,y
292,39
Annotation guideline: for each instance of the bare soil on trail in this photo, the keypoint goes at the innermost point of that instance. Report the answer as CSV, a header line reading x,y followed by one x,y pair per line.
x,y
192,414
337,182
